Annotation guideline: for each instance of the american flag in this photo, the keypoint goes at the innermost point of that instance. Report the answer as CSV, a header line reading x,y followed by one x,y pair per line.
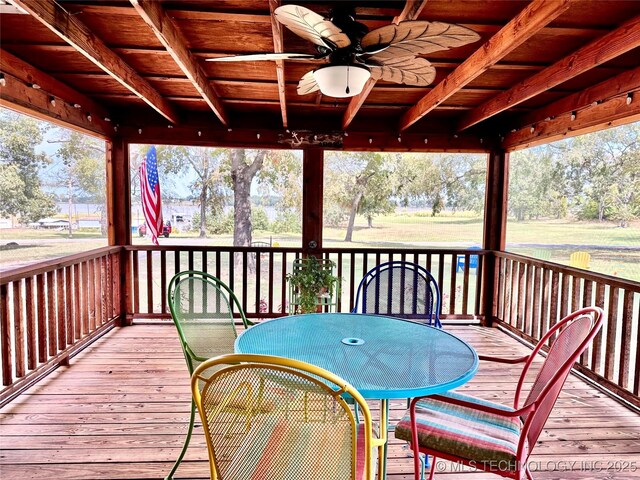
x,y
150,193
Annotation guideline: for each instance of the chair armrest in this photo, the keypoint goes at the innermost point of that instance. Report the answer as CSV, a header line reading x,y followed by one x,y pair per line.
x,y
504,360
476,406
378,442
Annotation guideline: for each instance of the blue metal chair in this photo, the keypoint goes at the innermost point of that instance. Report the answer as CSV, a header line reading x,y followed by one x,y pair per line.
x,y
400,289
404,290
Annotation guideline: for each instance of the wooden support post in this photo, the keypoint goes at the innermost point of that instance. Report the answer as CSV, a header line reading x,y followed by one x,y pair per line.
x,y
495,218
312,190
119,211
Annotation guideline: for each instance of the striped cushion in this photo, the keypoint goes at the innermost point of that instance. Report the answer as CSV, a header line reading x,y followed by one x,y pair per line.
x,y
464,432
280,450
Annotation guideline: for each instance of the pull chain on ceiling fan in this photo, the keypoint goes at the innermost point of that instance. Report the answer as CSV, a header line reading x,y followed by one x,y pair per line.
x,y
354,54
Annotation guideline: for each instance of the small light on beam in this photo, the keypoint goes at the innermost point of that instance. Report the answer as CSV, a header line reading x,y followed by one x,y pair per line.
x,y
258,136
52,101
115,128
346,134
199,133
35,86
426,140
573,116
169,126
89,116
455,135
532,129
229,129
139,131
482,140
370,140
77,105
399,138
3,80
107,119
629,98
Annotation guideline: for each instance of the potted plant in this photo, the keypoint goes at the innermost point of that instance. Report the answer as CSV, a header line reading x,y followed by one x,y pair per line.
x,y
311,284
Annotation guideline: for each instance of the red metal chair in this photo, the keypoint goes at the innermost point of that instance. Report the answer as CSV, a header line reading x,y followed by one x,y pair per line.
x,y
489,436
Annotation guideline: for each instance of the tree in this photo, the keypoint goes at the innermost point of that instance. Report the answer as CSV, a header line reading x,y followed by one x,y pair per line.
x,y
243,170
361,182
592,164
204,166
84,172
21,193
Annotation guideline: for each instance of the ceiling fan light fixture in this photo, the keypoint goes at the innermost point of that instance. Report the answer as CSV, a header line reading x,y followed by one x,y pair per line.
x,y
341,81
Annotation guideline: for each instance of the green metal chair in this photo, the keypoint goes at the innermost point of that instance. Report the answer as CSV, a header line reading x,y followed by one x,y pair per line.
x,y
203,308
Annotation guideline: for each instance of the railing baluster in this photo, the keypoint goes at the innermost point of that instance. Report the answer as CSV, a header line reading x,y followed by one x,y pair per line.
x,y
62,325
86,302
18,328
51,313
244,283
536,318
596,355
452,284
150,281
515,281
465,283
440,278
163,281
270,308
586,302
92,291
42,318
257,275
5,337
352,281
528,305
68,288
77,326
30,315
522,267
283,307
136,281
479,270
625,346
544,310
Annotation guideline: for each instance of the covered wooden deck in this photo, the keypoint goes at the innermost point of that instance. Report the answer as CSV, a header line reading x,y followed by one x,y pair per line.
x,y
120,410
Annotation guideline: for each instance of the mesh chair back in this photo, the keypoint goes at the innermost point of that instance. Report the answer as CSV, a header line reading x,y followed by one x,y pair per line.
x,y
576,332
400,289
277,419
202,308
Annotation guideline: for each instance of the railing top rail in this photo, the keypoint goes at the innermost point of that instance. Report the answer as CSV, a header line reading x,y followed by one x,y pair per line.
x,y
556,267
19,273
395,251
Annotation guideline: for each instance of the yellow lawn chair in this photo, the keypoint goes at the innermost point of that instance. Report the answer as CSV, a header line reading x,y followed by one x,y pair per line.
x,y
580,260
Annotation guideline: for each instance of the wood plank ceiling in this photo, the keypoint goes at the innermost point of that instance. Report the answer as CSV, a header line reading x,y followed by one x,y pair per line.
x,y
142,60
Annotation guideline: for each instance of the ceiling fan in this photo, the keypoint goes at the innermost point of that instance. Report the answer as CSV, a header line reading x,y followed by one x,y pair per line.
x,y
352,54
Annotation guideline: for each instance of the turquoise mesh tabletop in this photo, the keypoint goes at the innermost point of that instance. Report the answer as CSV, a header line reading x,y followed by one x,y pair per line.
x,y
382,357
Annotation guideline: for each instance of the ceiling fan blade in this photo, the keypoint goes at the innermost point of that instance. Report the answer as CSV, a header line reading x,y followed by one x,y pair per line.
x,y
415,37
311,26
307,84
264,56
407,70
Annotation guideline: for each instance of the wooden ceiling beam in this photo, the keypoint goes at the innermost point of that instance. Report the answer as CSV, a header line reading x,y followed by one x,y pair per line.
x,y
526,24
31,75
605,48
174,41
276,28
616,111
620,84
73,31
19,95
411,11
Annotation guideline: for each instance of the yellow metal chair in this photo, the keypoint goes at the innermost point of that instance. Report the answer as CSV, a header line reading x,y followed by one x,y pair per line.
x,y
580,260
274,418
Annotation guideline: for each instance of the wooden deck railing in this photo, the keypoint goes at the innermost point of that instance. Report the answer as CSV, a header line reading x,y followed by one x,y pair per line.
x,y
50,310
258,275
532,295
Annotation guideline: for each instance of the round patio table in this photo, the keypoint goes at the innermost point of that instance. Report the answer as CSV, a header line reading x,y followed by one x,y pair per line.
x,y
382,357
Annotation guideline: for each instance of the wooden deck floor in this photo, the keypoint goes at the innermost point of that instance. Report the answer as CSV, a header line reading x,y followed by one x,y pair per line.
x,y
119,411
